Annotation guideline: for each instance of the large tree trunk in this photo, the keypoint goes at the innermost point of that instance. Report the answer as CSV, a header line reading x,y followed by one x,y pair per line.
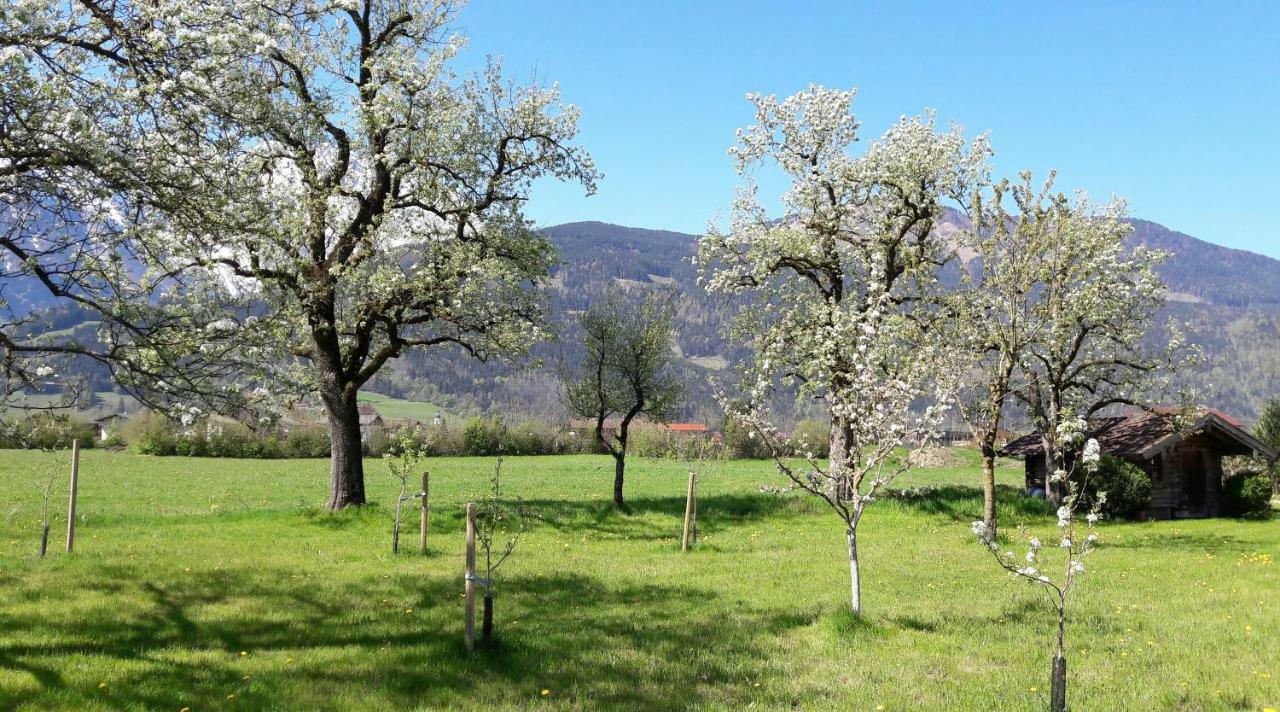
x,y
855,582
346,466
989,484
619,467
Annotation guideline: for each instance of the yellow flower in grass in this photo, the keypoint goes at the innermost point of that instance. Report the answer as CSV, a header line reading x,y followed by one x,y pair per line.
x,y
545,692
102,685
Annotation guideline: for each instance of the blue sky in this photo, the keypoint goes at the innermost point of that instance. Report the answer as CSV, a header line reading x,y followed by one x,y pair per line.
x,y
1174,105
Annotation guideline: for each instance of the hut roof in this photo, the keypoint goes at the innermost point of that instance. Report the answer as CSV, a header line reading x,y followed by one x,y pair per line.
x,y
1145,434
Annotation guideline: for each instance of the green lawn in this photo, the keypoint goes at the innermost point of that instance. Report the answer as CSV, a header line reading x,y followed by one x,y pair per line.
x,y
397,409
219,584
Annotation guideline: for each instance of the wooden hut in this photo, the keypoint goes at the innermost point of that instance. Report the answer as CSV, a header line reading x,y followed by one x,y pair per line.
x,y
1182,456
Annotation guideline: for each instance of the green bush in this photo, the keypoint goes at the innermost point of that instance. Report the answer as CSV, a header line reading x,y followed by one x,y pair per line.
x,y
152,434
1247,495
531,438
483,436
305,441
815,435
739,445
1128,488
646,440
48,431
446,441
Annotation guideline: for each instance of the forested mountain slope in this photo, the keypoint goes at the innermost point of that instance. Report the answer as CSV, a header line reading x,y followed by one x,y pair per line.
x,y
1229,299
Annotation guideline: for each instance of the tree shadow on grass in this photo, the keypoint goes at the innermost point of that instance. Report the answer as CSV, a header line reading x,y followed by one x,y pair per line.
x,y
1161,536
177,643
651,518
961,503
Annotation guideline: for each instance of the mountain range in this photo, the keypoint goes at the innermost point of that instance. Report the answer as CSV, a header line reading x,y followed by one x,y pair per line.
x,y
1228,299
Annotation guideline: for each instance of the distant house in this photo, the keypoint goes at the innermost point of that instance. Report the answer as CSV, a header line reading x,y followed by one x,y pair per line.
x,y
369,416
108,425
1185,464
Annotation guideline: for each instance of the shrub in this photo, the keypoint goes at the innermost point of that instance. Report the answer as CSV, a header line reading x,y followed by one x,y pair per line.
x,y
483,436
1247,495
305,441
232,439
48,431
531,437
575,442
645,440
446,441
739,445
149,434
816,437
1128,488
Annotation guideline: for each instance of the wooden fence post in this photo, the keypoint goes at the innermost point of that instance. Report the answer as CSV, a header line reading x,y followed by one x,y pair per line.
x,y
469,624
71,506
688,512
426,507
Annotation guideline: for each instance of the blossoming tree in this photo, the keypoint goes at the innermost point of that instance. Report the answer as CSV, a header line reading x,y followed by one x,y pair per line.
x,y
1074,543
79,183
843,294
329,166
1093,308
995,318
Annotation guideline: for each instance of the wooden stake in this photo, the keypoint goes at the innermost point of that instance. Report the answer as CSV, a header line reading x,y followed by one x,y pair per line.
x,y
71,505
426,507
470,620
688,513
1058,690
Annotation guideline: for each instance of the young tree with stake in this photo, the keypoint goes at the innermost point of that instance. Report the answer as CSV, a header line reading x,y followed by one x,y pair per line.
x,y
499,524
845,300
403,458
626,371
1074,543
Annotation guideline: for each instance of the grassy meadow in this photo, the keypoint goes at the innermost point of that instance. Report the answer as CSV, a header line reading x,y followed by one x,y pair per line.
x,y
398,409
221,585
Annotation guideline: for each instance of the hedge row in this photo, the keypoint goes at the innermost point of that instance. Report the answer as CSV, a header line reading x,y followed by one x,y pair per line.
x,y
154,435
